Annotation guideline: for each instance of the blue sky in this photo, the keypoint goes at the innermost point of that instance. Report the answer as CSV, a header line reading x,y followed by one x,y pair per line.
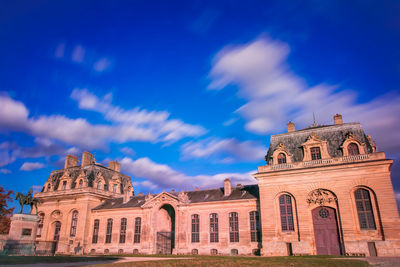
x,y
187,93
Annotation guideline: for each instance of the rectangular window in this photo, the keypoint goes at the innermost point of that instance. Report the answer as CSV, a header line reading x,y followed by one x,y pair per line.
x,y
315,153
26,231
122,232
138,228
255,226
109,230
214,227
195,228
233,227
115,188
95,231
64,185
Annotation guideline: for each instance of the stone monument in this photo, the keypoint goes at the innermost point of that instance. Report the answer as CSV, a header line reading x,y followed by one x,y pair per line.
x,y
22,234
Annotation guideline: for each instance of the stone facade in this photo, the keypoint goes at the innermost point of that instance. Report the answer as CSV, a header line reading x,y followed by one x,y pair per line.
x,y
324,190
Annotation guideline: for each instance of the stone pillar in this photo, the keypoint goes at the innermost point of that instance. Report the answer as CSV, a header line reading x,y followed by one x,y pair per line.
x,y
22,234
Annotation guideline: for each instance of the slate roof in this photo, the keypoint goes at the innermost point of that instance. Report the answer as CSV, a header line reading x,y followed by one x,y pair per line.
x,y
198,196
334,134
90,171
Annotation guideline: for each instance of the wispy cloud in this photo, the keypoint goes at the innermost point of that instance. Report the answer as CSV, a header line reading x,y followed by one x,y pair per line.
x,y
5,171
226,150
102,64
30,166
78,54
274,94
163,176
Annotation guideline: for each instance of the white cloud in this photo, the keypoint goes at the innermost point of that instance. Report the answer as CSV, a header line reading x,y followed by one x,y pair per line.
x,y
164,176
30,166
274,94
78,54
128,151
229,149
37,188
5,171
102,64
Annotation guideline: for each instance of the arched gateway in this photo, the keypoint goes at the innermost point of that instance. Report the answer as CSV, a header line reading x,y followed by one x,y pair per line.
x,y
165,240
326,231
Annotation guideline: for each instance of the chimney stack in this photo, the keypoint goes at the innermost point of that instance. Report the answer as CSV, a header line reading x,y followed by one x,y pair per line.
x,y
227,187
338,119
114,165
290,127
70,161
87,159
127,194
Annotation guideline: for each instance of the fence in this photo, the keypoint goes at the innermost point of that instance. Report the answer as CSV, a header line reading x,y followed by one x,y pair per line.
x,y
13,247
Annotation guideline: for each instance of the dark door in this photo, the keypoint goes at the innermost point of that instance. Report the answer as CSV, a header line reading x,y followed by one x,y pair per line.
x,y
164,242
326,231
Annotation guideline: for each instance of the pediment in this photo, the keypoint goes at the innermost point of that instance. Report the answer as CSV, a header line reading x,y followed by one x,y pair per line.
x,y
163,197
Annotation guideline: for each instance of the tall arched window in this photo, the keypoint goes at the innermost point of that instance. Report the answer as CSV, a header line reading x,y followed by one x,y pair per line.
x,y
95,231
315,153
214,227
353,149
122,233
57,230
286,211
138,228
281,158
195,228
40,225
255,226
80,183
109,230
233,227
364,209
74,223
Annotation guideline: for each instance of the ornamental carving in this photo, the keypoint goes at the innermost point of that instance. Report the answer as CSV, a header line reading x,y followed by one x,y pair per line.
x,y
183,197
148,197
314,137
321,197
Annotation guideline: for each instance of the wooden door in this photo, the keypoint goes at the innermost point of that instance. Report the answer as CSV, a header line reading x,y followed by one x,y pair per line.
x,y
326,231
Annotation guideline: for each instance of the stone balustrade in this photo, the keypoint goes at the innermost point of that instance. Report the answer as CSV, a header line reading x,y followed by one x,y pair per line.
x,y
77,191
323,162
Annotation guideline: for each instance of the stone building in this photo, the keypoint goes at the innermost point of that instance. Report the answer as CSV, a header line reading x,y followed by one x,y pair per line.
x,y
324,190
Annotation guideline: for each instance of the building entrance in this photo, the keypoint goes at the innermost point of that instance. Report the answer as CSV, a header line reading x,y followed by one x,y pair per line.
x,y
165,241
326,231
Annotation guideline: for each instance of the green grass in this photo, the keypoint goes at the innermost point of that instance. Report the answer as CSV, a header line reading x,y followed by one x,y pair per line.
x,y
51,259
211,261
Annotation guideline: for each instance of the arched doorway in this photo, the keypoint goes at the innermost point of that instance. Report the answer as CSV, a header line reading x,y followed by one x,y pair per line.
x,y
326,231
165,229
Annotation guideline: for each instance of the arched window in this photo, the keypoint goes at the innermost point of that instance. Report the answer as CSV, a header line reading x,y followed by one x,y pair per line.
x,y
286,211
95,231
255,226
233,227
234,251
122,233
48,187
281,158
364,209
40,225
74,223
213,227
57,229
315,153
80,183
138,228
353,150
214,251
195,228
109,230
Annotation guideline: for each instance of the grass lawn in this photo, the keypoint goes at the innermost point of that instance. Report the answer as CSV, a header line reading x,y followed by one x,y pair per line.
x,y
210,261
50,259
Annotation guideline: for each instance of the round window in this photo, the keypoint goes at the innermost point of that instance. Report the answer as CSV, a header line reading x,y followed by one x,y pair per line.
x,y
324,213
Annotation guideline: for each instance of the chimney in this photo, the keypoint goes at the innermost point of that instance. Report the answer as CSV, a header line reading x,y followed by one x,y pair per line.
x,y
338,119
172,190
70,161
290,127
196,189
87,159
227,187
113,165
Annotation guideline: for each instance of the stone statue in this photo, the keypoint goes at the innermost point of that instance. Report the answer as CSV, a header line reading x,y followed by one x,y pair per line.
x,y
27,199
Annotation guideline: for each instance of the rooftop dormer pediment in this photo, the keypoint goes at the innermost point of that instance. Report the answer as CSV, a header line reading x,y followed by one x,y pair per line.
x,y
162,198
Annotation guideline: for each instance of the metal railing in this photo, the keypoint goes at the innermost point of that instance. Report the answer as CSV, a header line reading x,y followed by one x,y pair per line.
x,y
13,247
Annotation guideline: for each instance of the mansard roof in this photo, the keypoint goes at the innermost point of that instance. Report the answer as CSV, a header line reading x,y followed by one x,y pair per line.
x,y
197,196
91,171
335,136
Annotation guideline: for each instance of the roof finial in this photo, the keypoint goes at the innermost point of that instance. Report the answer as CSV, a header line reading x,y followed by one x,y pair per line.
x,y
315,123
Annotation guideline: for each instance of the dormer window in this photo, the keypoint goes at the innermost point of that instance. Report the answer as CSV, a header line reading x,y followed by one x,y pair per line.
x,y
99,185
353,150
115,188
281,158
48,187
315,153
80,183
64,185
